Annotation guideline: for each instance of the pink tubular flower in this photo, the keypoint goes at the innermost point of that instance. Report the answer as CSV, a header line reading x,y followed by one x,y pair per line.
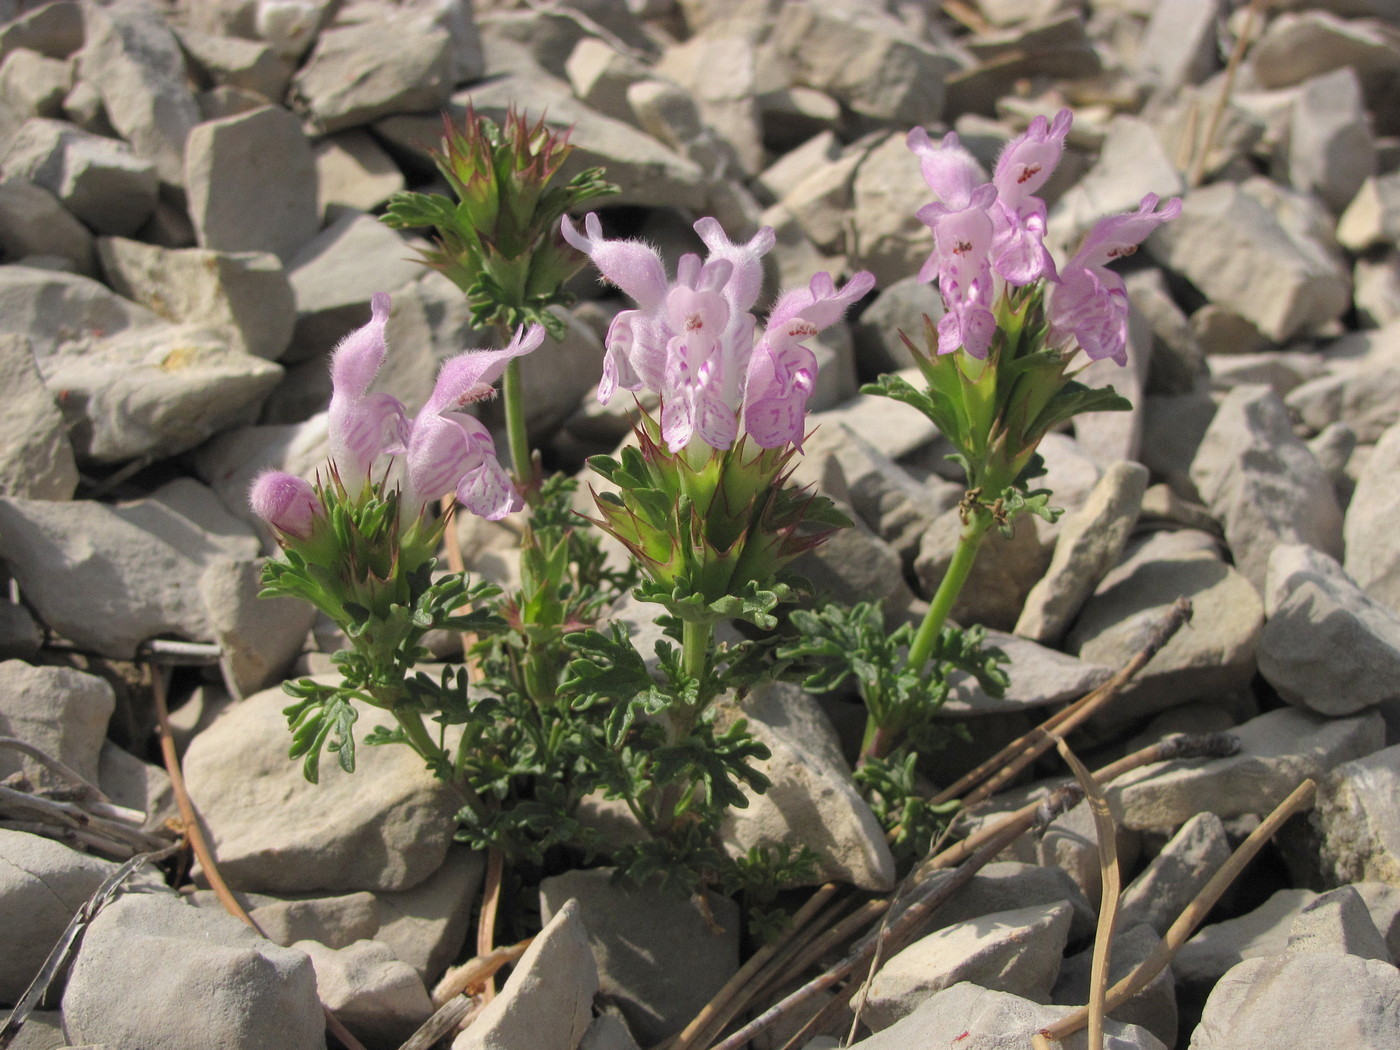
x,y
448,450
361,425
1018,249
1089,303
286,502
693,340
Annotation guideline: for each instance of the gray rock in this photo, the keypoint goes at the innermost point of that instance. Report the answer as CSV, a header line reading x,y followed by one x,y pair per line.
x,y
1257,1004
990,1020
1174,877
1153,1008
1009,951
1278,750
375,995
59,710
155,391
1359,385
1298,46
1232,243
548,1000
426,925
897,308
1331,150
1178,363
244,64
602,77
246,294
34,86
153,971
251,180
335,274
813,801
608,1033
53,29
1373,216
862,57
109,577
820,202
1040,677
1058,46
353,171
719,70
1372,550
259,637
1263,483
856,565
635,933
1005,885
386,826
1180,45
1212,654
1376,290
229,462
1354,820
1090,543
99,180
34,223
896,433
886,237
37,459
1338,921
351,78
42,885
1326,646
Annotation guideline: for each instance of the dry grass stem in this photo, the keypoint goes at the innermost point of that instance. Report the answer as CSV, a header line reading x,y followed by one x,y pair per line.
x,y
1227,87
453,1015
1194,913
1021,752
472,975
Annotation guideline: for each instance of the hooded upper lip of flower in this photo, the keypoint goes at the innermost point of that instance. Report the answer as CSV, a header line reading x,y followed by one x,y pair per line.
x,y
444,449
693,340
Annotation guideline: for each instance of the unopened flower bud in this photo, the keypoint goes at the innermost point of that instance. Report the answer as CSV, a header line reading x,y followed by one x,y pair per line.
x,y
286,502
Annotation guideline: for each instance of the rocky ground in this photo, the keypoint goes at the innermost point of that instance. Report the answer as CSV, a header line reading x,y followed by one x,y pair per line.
x,y
187,224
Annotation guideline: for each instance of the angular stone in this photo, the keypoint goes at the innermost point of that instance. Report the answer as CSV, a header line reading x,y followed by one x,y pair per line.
x,y
1338,921
886,236
133,57
856,565
244,293
1298,46
258,637
33,222
1375,290
1055,47
719,71
1372,547
54,29
99,180
981,1018
61,711
36,457
244,64
1263,483
1040,677
153,971
1180,44
1373,216
1278,750
1173,878
1355,822
1326,646
602,76
155,391
1090,543
548,999
375,995
1178,362
1346,1002
426,925
862,57
231,461
1246,255
1331,150
34,86
1009,951
636,935
42,885
812,800
351,78
251,181
898,309
53,309
1005,885
354,171
1005,570
387,826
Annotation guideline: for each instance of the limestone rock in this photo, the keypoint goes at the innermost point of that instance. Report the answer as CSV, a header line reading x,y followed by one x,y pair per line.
x,y
386,826
251,180
1173,877
34,223
59,710
37,458
1355,822
1331,151
153,971
1372,549
375,995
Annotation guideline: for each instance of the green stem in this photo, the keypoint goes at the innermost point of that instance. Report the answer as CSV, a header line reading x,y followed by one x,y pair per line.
x,y
512,395
950,587
695,646
437,758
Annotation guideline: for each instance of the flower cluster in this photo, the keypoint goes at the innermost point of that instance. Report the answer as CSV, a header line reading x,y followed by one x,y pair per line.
x,y
694,342
442,450
990,235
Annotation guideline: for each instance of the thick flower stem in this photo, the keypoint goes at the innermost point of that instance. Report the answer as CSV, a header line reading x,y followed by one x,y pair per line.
x,y
513,398
418,738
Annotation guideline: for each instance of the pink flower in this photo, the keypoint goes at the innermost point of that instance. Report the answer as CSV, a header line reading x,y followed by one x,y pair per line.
x,y
362,425
693,340
286,502
447,450
1089,303
1018,249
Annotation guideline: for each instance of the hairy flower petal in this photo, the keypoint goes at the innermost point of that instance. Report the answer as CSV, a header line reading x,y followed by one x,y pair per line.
x,y
286,502
467,377
634,267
